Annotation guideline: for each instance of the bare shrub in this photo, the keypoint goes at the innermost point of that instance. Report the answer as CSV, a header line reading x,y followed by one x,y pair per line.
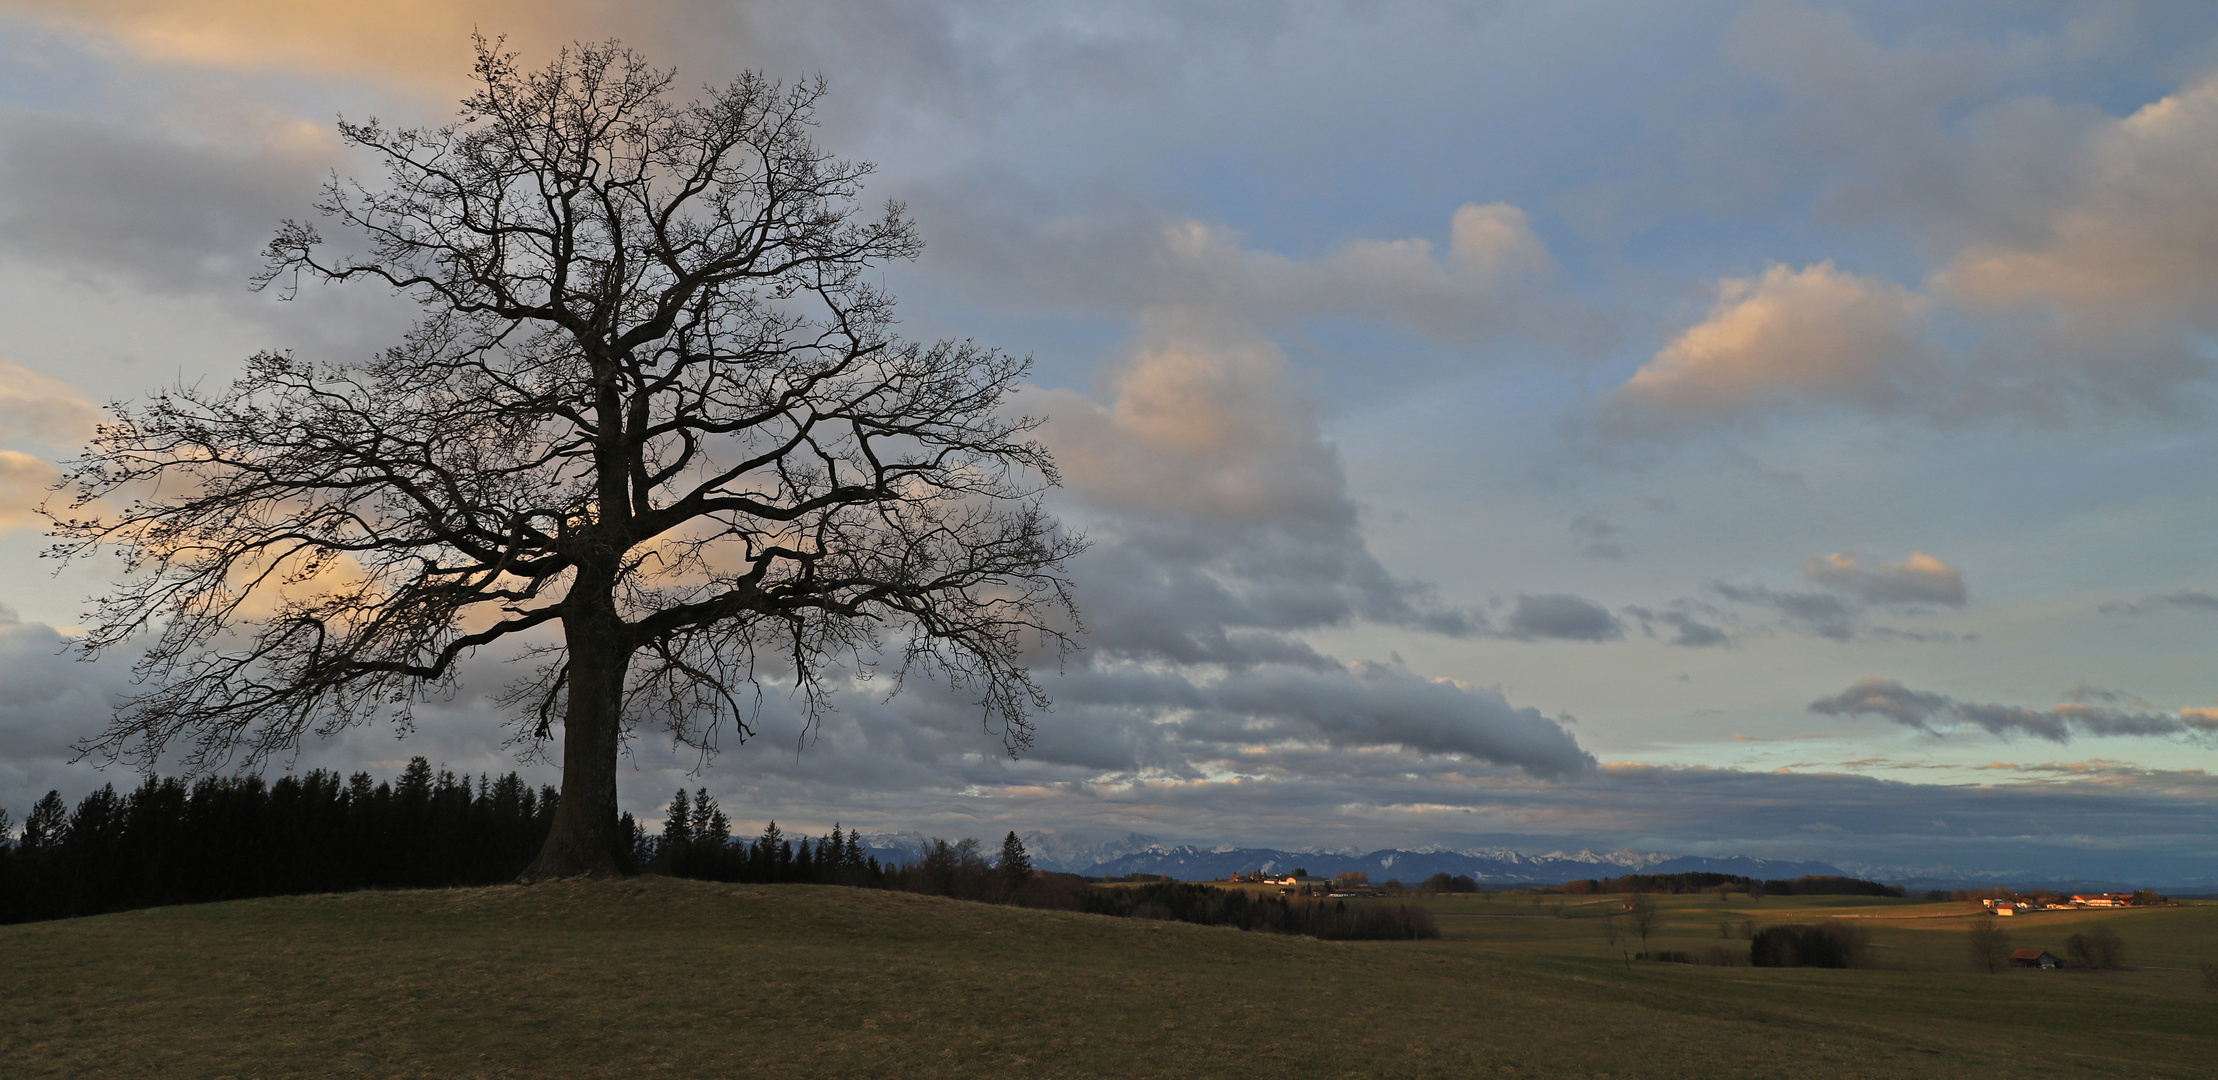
x,y
1988,943
2099,949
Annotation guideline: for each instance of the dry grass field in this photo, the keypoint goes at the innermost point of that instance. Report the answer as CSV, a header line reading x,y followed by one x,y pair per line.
x,y
660,977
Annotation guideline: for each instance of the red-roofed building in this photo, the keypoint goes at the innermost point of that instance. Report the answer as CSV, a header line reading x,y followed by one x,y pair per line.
x,y
2034,958
2101,900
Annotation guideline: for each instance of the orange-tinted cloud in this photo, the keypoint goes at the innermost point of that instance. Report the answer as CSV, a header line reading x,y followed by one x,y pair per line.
x,y
24,481
409,40
1817,334
36,408
1210,429
2136,234
1919,579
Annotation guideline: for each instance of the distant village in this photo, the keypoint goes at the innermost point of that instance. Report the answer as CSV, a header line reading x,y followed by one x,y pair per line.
x,y
2019,905
1299,883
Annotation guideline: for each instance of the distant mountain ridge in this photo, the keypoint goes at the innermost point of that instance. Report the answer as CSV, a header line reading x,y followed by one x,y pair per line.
x,y
1140,854
1488,866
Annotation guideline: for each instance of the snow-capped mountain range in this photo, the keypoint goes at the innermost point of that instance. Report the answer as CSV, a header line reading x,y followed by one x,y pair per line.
x,y
1138,854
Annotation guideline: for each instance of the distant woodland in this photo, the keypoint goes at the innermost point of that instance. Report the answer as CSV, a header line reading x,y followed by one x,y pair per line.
x,y
1808,885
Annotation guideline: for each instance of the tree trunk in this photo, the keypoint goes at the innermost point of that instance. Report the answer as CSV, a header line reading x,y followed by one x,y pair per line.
x,y
584,840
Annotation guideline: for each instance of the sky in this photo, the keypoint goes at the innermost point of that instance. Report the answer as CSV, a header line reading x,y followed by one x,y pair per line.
x,y
1766,428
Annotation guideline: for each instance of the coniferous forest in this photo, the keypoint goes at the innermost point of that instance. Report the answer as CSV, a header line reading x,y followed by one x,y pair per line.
x,y
226,838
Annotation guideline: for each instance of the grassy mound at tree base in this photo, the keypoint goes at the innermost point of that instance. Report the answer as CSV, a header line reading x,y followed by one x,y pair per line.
x,y
661,977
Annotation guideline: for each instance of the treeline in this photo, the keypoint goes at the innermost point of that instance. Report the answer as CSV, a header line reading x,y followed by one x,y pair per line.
x,y
1212,906
696,842
228,838
231,838
1825,945
1701,882
1442,882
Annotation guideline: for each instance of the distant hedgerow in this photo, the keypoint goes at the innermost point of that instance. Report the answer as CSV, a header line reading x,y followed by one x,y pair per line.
x,y
1334,920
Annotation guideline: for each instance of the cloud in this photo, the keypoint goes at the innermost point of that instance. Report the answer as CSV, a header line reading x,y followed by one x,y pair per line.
x,y
1203,274
25,481
1849,588
50,701
35,408
1688,629
1919,579
171,207
1937,713
1816,335
2068,253
1883,697
41,411
1203,429
2135,237
415,38
1379,705
1562,617
1599,538
2194,600
1823,614
1228,534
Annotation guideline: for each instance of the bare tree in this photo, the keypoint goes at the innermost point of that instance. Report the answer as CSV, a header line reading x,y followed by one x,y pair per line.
x,y
653,426
1988,942
1642,913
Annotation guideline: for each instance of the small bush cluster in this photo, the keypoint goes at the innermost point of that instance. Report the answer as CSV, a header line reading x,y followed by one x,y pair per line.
x,y
1442,882
1826,945
2099,949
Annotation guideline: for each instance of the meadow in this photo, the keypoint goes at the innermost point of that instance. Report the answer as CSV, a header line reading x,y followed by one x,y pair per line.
x,y
656,976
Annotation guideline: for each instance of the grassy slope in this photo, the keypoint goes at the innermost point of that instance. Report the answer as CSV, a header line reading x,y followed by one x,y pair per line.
x,y
662,977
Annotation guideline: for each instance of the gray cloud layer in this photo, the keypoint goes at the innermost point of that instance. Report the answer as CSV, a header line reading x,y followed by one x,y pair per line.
x,y
1562,617
1936,713
1849,588
2191,600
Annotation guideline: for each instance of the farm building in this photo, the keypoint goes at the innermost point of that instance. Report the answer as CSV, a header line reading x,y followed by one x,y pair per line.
x,y
2101,900
2035,958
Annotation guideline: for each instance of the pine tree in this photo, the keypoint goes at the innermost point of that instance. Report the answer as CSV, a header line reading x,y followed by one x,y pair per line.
x,y
48,823
12,886
762,860
1015,867
712,835
677,835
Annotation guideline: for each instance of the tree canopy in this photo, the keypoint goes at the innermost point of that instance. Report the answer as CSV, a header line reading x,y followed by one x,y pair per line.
x,y
653,425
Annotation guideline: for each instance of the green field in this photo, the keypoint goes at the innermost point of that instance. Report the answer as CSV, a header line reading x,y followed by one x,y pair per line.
x,y
660,977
